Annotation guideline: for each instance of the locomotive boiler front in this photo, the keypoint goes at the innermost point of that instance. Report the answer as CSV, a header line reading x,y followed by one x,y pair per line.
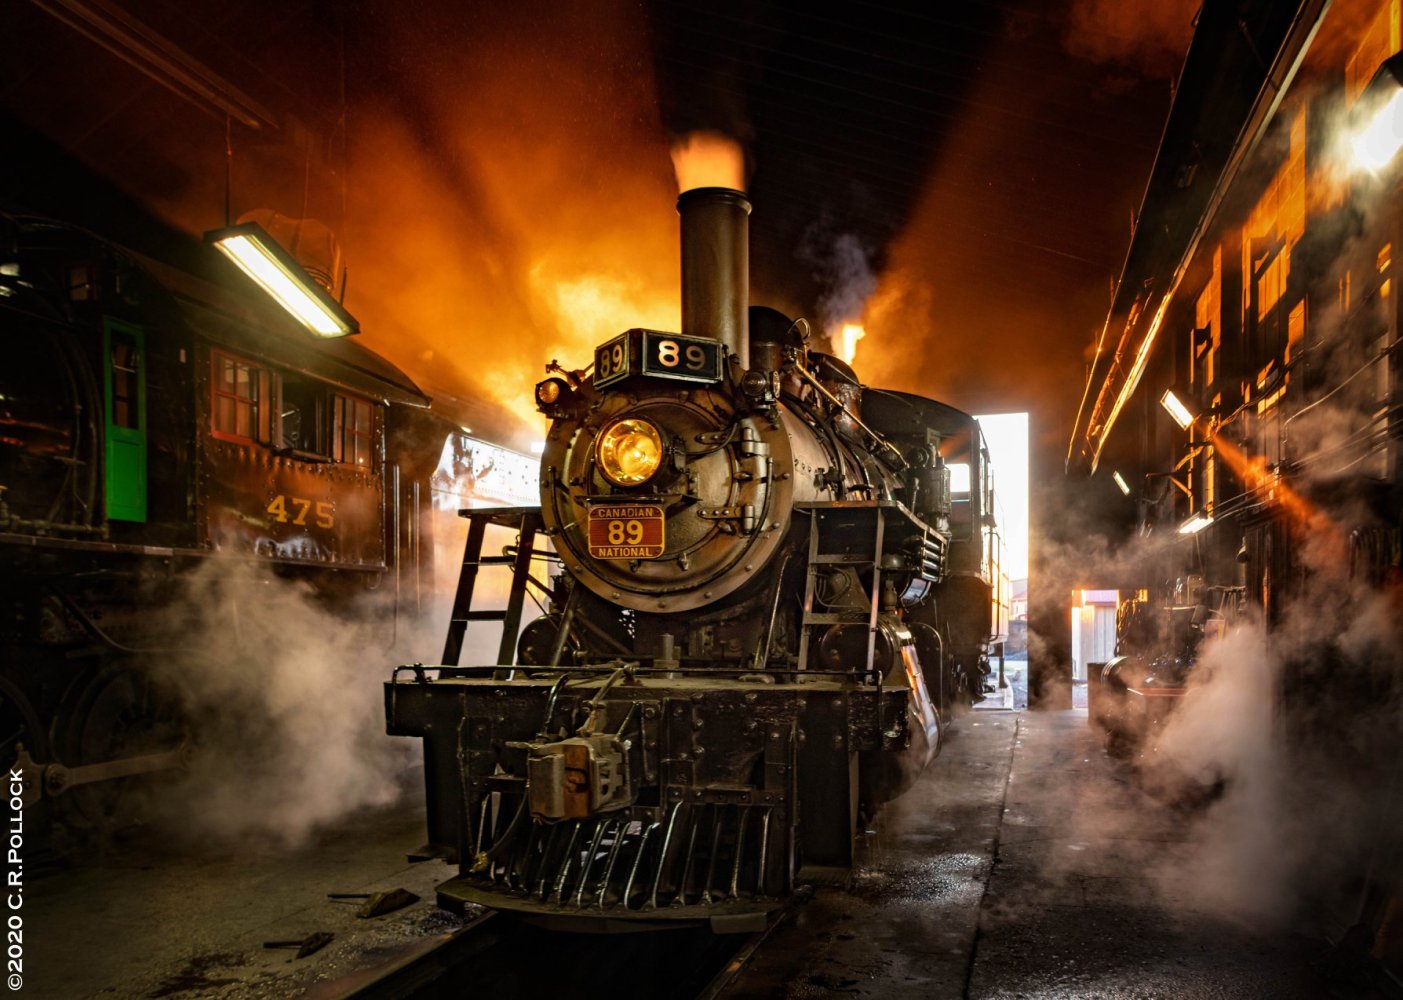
x,y
669,501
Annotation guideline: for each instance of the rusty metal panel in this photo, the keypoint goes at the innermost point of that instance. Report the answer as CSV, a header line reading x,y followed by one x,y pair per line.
x,y
254,501
276,506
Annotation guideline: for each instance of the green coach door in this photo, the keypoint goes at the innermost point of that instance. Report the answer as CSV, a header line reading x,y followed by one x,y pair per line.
x,y
124,385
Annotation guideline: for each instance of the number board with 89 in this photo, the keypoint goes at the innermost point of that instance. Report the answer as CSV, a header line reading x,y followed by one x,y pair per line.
x,y
657,355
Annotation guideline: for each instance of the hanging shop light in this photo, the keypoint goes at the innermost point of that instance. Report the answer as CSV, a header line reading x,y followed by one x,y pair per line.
x,y
1380,134
1200,520
1176,409
1120,481
284,280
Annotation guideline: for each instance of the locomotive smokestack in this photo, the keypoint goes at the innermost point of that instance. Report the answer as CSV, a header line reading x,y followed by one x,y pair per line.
x,y
716,267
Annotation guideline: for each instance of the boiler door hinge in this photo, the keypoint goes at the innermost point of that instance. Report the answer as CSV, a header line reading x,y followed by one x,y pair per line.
x,y
745,514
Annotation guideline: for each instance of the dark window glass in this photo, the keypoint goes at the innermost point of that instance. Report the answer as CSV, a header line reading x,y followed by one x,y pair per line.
x,y
125,404
304,415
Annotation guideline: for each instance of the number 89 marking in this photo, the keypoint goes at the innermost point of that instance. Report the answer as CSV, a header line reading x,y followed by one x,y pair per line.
x,y
670,353
625,533
610,360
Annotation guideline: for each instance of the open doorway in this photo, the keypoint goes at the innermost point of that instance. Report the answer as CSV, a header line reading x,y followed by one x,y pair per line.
x,y
1093,637
1006,437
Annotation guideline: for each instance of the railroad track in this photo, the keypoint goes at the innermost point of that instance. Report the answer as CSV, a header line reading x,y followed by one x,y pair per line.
x,y
500,957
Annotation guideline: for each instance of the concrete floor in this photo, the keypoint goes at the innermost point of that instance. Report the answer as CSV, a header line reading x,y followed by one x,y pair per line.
x,y
1024,864
143,923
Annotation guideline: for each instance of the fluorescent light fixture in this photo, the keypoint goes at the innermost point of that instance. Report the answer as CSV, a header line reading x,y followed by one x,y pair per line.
x,y
1196,523
1176,409
275,271
538,447
1380,135
1120,481
1375,145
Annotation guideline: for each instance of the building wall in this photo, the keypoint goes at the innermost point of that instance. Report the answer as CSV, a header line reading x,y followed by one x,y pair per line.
x,y
1281,337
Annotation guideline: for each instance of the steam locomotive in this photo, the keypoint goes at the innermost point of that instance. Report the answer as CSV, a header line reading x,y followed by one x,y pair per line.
x,y
772,590
154,417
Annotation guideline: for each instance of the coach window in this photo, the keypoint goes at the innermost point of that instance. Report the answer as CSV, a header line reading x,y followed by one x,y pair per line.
x,y
302,412
238,390
353,431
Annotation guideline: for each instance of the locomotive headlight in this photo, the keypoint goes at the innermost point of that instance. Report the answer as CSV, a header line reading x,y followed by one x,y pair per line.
x,y
629,451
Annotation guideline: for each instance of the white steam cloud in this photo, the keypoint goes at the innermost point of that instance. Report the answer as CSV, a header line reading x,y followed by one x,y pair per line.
x,y
284,702
1282,755
284,705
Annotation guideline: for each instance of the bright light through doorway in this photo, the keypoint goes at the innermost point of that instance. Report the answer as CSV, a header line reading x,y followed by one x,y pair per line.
x,y
1007,437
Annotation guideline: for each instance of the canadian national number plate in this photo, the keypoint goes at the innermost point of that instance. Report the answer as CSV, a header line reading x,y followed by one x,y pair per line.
x,y
625,531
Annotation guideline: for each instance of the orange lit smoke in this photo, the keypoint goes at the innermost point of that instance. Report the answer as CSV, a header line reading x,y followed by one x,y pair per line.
x,y
1152,38
964,311
846,341
1253,471
993,285
521,215
708,159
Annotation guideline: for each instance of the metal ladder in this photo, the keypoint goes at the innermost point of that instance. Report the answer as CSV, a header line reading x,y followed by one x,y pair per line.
x,y
527,521
823,555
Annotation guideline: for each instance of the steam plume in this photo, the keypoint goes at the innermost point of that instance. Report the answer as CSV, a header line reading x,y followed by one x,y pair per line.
x,y
708,159
1286,738
284,703
842,266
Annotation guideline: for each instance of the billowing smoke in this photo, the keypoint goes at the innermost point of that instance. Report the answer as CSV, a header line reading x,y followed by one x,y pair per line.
x,y
1284,745
1146,35
1277,770
842,267
1297,725
511,205
1000,272
505,196
283,698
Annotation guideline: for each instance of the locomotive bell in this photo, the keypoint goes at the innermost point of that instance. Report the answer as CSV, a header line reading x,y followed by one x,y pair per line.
x,y
716,267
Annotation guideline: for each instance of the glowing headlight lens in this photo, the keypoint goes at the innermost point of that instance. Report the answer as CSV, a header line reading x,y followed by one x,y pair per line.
x,y
547,392
629,452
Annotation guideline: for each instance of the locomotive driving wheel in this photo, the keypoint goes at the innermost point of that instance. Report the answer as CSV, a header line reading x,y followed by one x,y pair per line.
x,y
19,727
112,730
